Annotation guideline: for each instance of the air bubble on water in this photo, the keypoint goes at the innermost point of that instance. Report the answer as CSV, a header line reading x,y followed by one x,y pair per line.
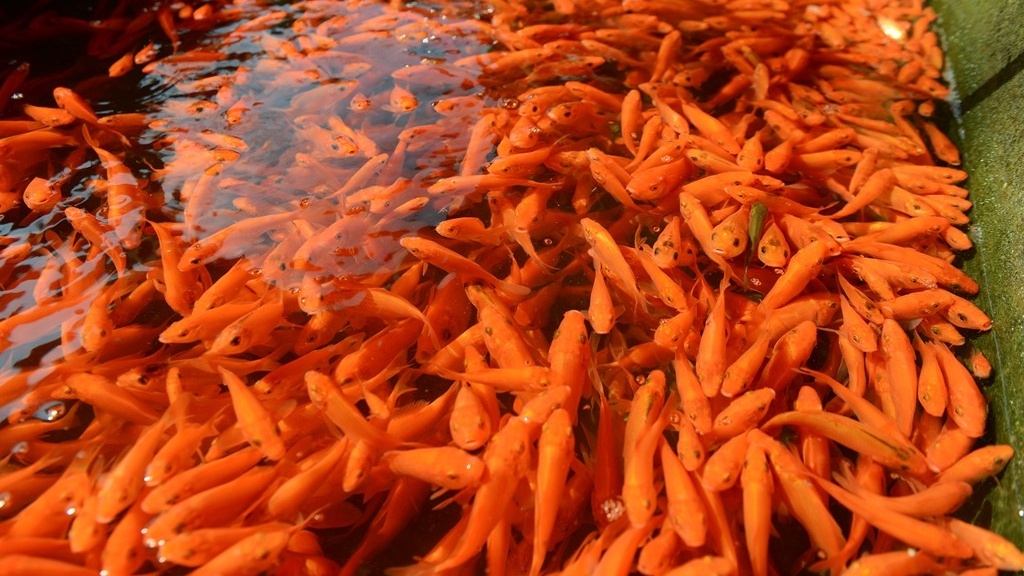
x,y
51,411
548,242
5,500
613,509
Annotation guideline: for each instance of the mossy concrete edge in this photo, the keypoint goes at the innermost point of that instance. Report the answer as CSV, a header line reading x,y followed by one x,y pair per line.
x,y
991,135
980,39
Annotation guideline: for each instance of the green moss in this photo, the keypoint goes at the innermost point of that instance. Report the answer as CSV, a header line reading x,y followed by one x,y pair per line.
x,y
993,141
981,38
984,43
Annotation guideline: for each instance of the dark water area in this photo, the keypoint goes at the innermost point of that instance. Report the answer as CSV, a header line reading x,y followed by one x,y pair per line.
x,y
67,44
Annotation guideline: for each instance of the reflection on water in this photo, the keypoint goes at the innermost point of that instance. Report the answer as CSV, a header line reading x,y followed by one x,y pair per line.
x,y
301,139
235,201
323,140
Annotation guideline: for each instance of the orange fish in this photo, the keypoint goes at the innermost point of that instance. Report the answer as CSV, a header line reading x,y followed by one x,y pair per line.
x,y
451,261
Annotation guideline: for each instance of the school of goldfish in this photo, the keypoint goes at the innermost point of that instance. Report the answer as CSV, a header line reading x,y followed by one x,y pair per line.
x,y
577,287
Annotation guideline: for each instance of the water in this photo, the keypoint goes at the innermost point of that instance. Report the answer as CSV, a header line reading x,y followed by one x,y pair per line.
x,y
296,142
258,115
